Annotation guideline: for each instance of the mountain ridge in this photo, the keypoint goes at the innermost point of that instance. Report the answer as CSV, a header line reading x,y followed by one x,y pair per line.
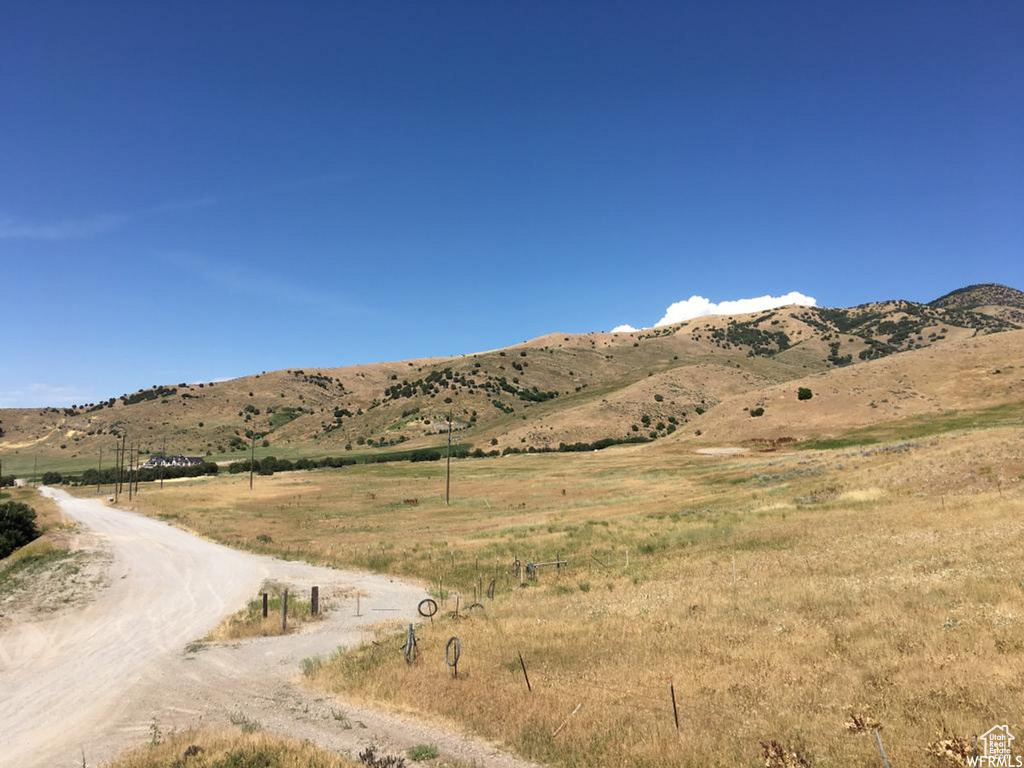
x,y
541,394
980,295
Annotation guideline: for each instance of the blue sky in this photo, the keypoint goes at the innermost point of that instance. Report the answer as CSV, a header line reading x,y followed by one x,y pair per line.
x,y
191,191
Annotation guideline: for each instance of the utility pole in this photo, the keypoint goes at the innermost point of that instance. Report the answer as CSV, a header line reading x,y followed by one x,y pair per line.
x,y
131,464
163,463
120,467
252,457
99,471
138,465
448,462
35,464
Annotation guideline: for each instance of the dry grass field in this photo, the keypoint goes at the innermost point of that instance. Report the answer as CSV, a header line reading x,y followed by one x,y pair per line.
x,y
215,749
790,598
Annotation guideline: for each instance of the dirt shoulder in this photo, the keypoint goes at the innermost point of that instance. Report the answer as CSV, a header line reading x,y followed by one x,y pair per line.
x,y
62,570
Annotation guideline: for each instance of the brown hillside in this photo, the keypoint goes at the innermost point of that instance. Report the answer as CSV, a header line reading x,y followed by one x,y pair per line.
x,y
966,375
981,295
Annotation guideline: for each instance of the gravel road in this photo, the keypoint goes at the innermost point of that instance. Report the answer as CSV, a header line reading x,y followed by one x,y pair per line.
x,y
94,679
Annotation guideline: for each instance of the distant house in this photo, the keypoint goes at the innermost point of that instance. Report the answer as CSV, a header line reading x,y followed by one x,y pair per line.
x,y
156,462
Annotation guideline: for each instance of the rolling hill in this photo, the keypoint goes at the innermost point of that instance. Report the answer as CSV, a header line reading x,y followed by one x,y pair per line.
x,y
564,389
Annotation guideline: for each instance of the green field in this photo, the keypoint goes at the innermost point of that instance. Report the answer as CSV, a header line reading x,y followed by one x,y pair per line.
x,y
917,427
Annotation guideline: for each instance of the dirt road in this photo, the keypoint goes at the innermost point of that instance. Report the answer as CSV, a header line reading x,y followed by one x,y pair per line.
x,y
93,680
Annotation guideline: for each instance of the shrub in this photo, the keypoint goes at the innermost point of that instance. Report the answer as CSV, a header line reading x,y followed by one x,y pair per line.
x,y
804,393
146,474
52,478
17,526
371,759
422,752
757,411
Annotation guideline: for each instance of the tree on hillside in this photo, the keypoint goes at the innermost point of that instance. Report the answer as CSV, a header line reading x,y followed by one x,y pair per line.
x,y
804,393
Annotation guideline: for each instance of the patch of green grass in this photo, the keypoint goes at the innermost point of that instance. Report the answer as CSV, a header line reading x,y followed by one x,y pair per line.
x,y
830,444
311,665
245,723
916,427
422,752
282,416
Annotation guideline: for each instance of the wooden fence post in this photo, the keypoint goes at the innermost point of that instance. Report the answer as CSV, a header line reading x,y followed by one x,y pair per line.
x,y
284,611
314,601
266,604
526,676
675,708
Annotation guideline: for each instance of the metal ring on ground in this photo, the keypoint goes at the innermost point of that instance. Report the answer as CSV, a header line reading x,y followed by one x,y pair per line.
x,y
425,606
452,651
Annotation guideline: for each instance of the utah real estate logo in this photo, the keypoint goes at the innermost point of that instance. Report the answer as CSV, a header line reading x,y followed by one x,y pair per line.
x,y
998,749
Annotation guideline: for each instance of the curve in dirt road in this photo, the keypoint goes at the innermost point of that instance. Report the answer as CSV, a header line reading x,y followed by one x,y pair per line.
x,y
70,682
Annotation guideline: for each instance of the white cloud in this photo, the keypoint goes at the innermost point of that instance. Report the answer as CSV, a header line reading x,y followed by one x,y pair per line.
x,y
698,306
67,229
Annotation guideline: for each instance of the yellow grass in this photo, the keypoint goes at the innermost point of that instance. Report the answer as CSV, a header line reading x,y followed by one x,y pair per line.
x,y
41,547
249,621
48,514
220,749
781,594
